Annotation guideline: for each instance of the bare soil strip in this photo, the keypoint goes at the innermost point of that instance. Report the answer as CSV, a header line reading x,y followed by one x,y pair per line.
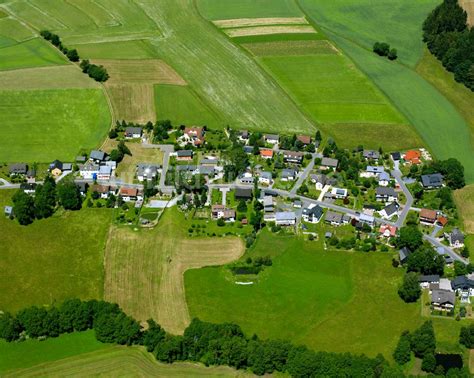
x,y
265,30
54,77
240,22
142,71
468,6
284,48
133,102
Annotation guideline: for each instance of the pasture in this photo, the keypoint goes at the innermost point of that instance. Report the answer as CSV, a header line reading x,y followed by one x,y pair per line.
x,y
318,298
183,106
144,268
51,259
112,361
464,199
43,125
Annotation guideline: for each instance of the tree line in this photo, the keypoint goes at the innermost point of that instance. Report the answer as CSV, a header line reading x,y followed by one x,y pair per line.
x,y
208,343
48,196
98,73
449,38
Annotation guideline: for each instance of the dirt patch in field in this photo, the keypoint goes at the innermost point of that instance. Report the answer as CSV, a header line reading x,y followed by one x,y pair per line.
x,y
55,77
133,102
284,48
241,22
144,270
464,199
143,71
468,6
264,30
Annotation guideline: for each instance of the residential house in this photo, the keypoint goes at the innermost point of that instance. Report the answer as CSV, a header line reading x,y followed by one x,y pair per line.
x,y
428,216
18,169
297,203
129,194
403,255
244,136
248,149
187,168
184,155
442,220
333,218
220,211
339,193
313,213
98,156
82,186
412,157
372,171
396,156
265,178
133,132
319,180
293,157
81,159
208,162
28,188
385,194
266,153
89,171
432,181
329,163
243,193
8,211
194,135
388,231
105,173
67,167
305,139
442,300
285,218
390,210
268,204
147,171
371,154
246,178
367,219
206,170
426,280
383,179
31,175
464,287
56,168
455,238
288,174
271,138
103,190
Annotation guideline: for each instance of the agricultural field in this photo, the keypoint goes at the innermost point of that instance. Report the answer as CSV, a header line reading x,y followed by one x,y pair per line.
x,y
330,295
52,259
33,132
111,361
465,204
468,6
432,115
144,268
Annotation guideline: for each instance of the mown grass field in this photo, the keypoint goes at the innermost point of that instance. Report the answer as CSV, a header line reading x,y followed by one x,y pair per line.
x,y
433,116
51,259
33,352
323,299
112,361
43,125
144,268
465,204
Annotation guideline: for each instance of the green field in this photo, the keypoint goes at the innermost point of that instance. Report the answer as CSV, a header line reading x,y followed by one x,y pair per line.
x,y
32,352
43,125
31,53
229,9
52,259
136,49
319,298
183,107
433,116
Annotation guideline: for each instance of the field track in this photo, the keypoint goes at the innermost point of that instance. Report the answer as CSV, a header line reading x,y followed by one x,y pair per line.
x,y
120,361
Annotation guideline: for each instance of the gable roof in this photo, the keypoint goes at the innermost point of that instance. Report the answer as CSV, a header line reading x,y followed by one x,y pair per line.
x,y
184,153
385,191
443,297
266,152
391,209
456,236
428,214
18,168
271,136
332,216
329,162
133,130
375,169
314,211
288,172
285,216
97,155
371,154
435,179
305,139
243,192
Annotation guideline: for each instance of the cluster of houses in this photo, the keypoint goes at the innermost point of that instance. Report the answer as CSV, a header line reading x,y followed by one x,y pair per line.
x,y
192,135
99,166
444,291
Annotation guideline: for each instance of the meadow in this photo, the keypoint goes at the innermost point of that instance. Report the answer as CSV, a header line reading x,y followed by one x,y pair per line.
x,y
43,125
319,298
465,204
52,259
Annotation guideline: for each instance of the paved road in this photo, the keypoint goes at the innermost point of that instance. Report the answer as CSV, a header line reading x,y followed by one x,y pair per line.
x,y
8,185
409,198
303,175
436,243
164,170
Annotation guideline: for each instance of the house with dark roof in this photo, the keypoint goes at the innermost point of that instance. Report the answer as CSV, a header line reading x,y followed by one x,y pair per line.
x,y
268,204
396,156
333,218
443,300
243,193
329,163
455,238
432,181
403,254
265,178
385,194
288,174
184,155
313,213
293,157
133,132
18,169
319,180
426,280
371,154
56,168
390,210
98,156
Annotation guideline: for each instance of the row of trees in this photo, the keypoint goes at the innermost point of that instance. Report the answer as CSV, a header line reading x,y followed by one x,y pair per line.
x,y
71,54
98,73
211,344
448,37
45,201
383,49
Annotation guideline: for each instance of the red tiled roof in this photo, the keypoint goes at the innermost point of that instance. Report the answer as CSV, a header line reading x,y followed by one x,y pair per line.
x,y
132,192
266,152
305,139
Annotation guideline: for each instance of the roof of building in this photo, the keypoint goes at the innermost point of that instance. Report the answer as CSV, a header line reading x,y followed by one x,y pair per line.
x,y
404,253
442,297
396,156
456,236
8,209
366,218
185,167
81,159
429,278
206,170
428,214
105,170
371,154
385,191
435,179
288,172
413,156
248,149
97,155
332,216
293,154
266,152
329,162
18,168
445,284
318,178
243,192
305,139
217,207
374,169
209,161
315,211
267,201
101,188
272,136
266,175
384,176
391,209
184,153
462,282
387,227
285,216
56,164
129,191
133,130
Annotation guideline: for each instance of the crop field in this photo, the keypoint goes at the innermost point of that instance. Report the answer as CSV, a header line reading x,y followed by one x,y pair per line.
x,y
183,107
133,49
12,30
468,6
51,259
319,298
113,361
264,30
242,22
465,204
144,269
283,48
133,102
31,131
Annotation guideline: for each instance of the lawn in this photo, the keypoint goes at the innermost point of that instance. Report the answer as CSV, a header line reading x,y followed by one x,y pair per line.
x,y
43,125
319,298
183,107
112,361
33,352
432,115
52,259
31,53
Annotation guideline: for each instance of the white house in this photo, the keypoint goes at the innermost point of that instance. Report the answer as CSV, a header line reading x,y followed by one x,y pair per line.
x,y
105,172
271,138
339,192
285,218
383,179
89,171
246,178
133,132
372,171
389,211
312,214
265,178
